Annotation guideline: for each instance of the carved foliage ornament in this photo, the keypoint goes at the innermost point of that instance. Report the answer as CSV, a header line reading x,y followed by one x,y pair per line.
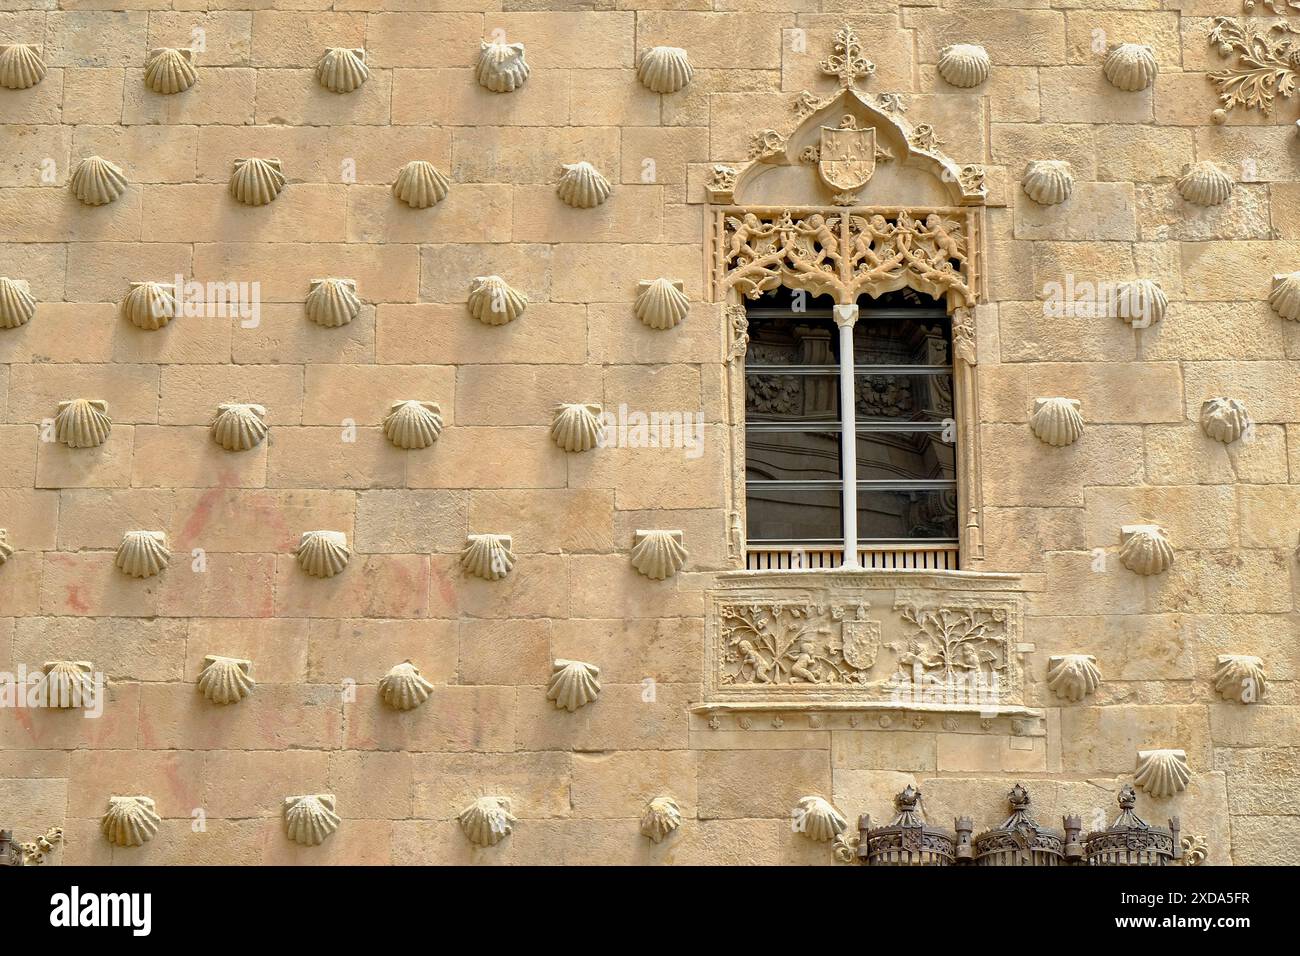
x,y
1266,66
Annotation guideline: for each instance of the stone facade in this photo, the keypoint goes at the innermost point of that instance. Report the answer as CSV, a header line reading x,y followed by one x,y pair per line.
x,y
308,312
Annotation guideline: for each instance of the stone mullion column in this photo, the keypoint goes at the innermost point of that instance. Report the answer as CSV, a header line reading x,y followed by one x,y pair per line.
x,y
846,316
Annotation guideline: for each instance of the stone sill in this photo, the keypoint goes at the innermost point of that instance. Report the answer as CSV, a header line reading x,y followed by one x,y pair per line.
x,y
997,720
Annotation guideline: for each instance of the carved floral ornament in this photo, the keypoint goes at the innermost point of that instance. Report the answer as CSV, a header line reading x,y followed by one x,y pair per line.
x,y
1265,60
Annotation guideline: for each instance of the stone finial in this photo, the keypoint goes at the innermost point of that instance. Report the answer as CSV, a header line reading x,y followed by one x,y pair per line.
x,y
664,69
333,302
412,424
1145,549
239,426
1073,677
1241,678
658,554
404,687
17,305
573,684
150,305
487,821
1130,67
256,182
420,185
20,66
1141,303
323,554
493,302
130,821
964,65
661,303
66,684
168,71
226,680
342,70
311,818
577,427
1285,296
1048,182
82,423
817,819
662,816
1057,421
502,67
582,186
1224,419
97,182
1162,773
142,554
1204,184
488,556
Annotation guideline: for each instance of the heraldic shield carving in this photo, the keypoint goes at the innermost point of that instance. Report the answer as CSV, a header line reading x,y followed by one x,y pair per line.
x,y
847,155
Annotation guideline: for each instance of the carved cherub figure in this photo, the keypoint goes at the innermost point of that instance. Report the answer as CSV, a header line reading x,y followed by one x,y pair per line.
x,y
743,230
805,665
948,246
750,658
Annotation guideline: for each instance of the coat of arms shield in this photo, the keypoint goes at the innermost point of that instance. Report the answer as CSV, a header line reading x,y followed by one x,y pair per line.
x,y
847,157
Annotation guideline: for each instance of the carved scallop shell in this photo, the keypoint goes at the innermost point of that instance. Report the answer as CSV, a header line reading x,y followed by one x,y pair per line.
x,y
239,426
964,65
662,816
6,549
1285,296
577,427
323,554
310,819
1224,419
169,71
1130,67
413,424
573,684
1141,303
342,70
226,680
1057,421
1073,676
661,303
1048,181
256,182
17,305
420,186
817,819
658,554
404,688
493,302
1241,678
1162,773
487,821
582,186
82,423
67,683
97,182
20,66
142,554
502,67
333,302
487,556
130,821
665,69
150,305
1204,184
1145,549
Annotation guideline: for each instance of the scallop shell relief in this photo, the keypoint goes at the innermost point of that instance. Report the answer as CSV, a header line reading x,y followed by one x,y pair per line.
x,y
487,556
661,303
577,427
404,688
97,182
226,680
17,305
1057,421
150,305
658,554
413,424
1048,182
239,426
67,683
342,70
493,302
310,819
662,816
1204,184
1141,303
323,554
20,66
502,67
1130,67
1073,677
142,554
964,65
1285,296
665,69
582,186
1224,419
1162,773
130,821
256,182
1145,549
1240,678
818,820
82,423
420,186
169,71
573,684
333,302
487,821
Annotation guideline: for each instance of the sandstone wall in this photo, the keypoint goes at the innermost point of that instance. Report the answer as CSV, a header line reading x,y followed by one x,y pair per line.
x,y
579,781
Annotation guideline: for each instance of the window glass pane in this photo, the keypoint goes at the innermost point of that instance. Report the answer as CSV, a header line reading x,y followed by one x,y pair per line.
x,y
778,513
900,341
792,455
792,398
905,456
907,514
890,397
792,339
